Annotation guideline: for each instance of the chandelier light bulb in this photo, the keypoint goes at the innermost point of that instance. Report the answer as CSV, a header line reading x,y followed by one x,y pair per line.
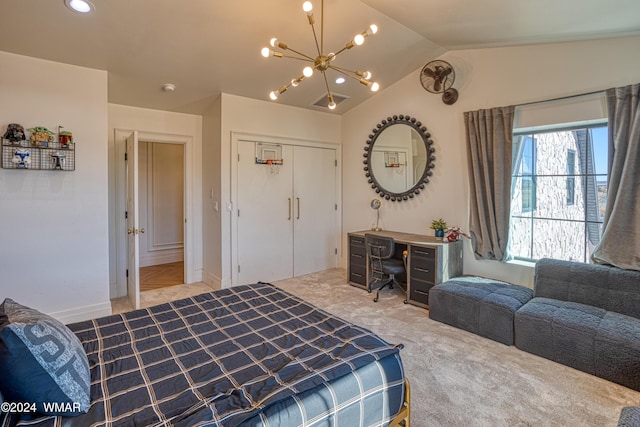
x,y
294,82
373,28
307,72
366,75
273,95
332,105
266,52
375,87
358,39
307,6
273,42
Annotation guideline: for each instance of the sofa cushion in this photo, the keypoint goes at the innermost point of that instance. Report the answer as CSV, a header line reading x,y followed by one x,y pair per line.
x,y
591,339
629,417
480,305
41,362
607,287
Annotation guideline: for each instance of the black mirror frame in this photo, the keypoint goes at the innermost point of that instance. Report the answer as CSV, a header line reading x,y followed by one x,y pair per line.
x,y
426,138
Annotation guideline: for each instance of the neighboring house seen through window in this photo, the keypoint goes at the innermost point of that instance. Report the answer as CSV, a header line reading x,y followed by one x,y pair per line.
x,y
558,192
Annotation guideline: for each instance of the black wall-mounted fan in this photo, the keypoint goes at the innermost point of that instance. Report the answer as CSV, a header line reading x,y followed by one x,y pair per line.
x,y
438,77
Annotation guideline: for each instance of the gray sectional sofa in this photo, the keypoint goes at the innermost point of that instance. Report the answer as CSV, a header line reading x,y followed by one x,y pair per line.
x,y
585,316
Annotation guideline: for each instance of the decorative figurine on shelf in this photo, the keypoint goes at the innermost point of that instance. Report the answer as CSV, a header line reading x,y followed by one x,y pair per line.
x,y
14,133
439,225
41,136
65,137
21,157
57,160
453,234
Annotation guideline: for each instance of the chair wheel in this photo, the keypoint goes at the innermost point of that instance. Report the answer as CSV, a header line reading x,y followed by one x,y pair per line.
x,y
405,301
375,300
390,286
369,290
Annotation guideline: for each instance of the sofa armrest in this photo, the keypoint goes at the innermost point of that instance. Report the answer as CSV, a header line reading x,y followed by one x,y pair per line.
x,y
610,288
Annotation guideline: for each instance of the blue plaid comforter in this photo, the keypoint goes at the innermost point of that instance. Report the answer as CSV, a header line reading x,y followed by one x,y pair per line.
x,y
249,355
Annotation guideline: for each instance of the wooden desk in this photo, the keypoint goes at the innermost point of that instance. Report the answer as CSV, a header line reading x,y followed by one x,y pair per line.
x,y
430,261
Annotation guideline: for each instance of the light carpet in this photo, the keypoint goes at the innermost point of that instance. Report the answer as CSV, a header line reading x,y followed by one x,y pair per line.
x,y
461,379
458,378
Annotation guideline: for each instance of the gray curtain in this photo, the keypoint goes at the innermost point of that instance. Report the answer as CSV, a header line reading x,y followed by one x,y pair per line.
x,y
489,135
620,244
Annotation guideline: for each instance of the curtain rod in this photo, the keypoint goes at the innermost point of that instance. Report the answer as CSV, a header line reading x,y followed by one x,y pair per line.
x,y
560,98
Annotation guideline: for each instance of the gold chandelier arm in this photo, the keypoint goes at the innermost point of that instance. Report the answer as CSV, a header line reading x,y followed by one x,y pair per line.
x,y
315,37
326,83
299,53
356,75
332,104
362,36
321,50
347,46
305,59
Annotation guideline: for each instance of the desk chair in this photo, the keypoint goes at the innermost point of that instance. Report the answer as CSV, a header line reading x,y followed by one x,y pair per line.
x,y
383,266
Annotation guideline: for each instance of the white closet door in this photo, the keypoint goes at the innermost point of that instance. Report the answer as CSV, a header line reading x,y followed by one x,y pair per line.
x,y
314,188
265,216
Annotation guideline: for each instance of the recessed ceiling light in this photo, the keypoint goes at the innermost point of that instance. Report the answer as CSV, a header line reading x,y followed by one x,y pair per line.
x,y
340,80
82,6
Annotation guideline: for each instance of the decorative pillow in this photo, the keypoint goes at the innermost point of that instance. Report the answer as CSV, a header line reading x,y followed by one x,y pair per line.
x,y
42,362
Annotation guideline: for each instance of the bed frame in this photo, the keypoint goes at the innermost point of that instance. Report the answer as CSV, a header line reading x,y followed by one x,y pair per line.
x,y
403,419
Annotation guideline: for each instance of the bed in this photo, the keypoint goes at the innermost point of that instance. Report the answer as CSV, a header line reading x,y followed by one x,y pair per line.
x,y
250,355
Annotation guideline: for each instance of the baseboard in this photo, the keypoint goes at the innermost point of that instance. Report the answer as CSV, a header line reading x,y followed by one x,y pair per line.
x,y
83,313
212,280
164,257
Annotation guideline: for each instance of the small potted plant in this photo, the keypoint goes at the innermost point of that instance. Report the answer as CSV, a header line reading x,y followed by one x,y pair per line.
x,y
439,225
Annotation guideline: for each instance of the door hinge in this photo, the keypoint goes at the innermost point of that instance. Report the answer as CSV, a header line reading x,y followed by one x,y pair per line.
x,y
336,251
126,157
336,163
238,268
336,206
126,215
238,212
127,272
238,156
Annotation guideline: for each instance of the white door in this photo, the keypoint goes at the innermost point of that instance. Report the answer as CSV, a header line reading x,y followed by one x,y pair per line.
x,y
133,243
314,186
265,216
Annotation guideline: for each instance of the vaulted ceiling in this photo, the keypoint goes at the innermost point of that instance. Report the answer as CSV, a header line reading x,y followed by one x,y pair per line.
x,y
205,47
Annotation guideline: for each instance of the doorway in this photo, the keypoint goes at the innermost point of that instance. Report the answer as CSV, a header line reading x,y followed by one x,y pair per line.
x,y
127,218
161,208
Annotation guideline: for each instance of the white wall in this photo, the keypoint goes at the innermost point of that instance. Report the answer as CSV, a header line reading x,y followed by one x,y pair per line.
x,y
187,127
485,78
250,116
54,225
213,208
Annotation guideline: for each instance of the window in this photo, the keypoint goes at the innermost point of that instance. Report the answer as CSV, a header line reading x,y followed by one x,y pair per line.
x,y
571,177
558,192
528,174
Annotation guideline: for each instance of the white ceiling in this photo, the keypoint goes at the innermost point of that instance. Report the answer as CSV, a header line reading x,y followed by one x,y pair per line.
x,y
206,47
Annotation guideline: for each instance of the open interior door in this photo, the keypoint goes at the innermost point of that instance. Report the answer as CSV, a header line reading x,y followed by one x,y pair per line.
x,y
133,229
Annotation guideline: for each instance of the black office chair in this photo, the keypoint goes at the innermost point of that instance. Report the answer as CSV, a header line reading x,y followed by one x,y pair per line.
x,y
383,266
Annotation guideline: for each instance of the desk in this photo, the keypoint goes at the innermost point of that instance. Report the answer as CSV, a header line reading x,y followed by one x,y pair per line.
x,y
430,261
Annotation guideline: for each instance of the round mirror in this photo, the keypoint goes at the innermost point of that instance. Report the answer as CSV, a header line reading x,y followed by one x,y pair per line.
x,y
399,158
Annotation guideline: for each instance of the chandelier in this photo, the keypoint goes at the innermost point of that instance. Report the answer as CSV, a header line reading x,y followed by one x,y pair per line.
x,y
322,62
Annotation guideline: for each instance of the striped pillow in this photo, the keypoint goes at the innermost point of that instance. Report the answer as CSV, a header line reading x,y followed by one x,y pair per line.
x,y
42,362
